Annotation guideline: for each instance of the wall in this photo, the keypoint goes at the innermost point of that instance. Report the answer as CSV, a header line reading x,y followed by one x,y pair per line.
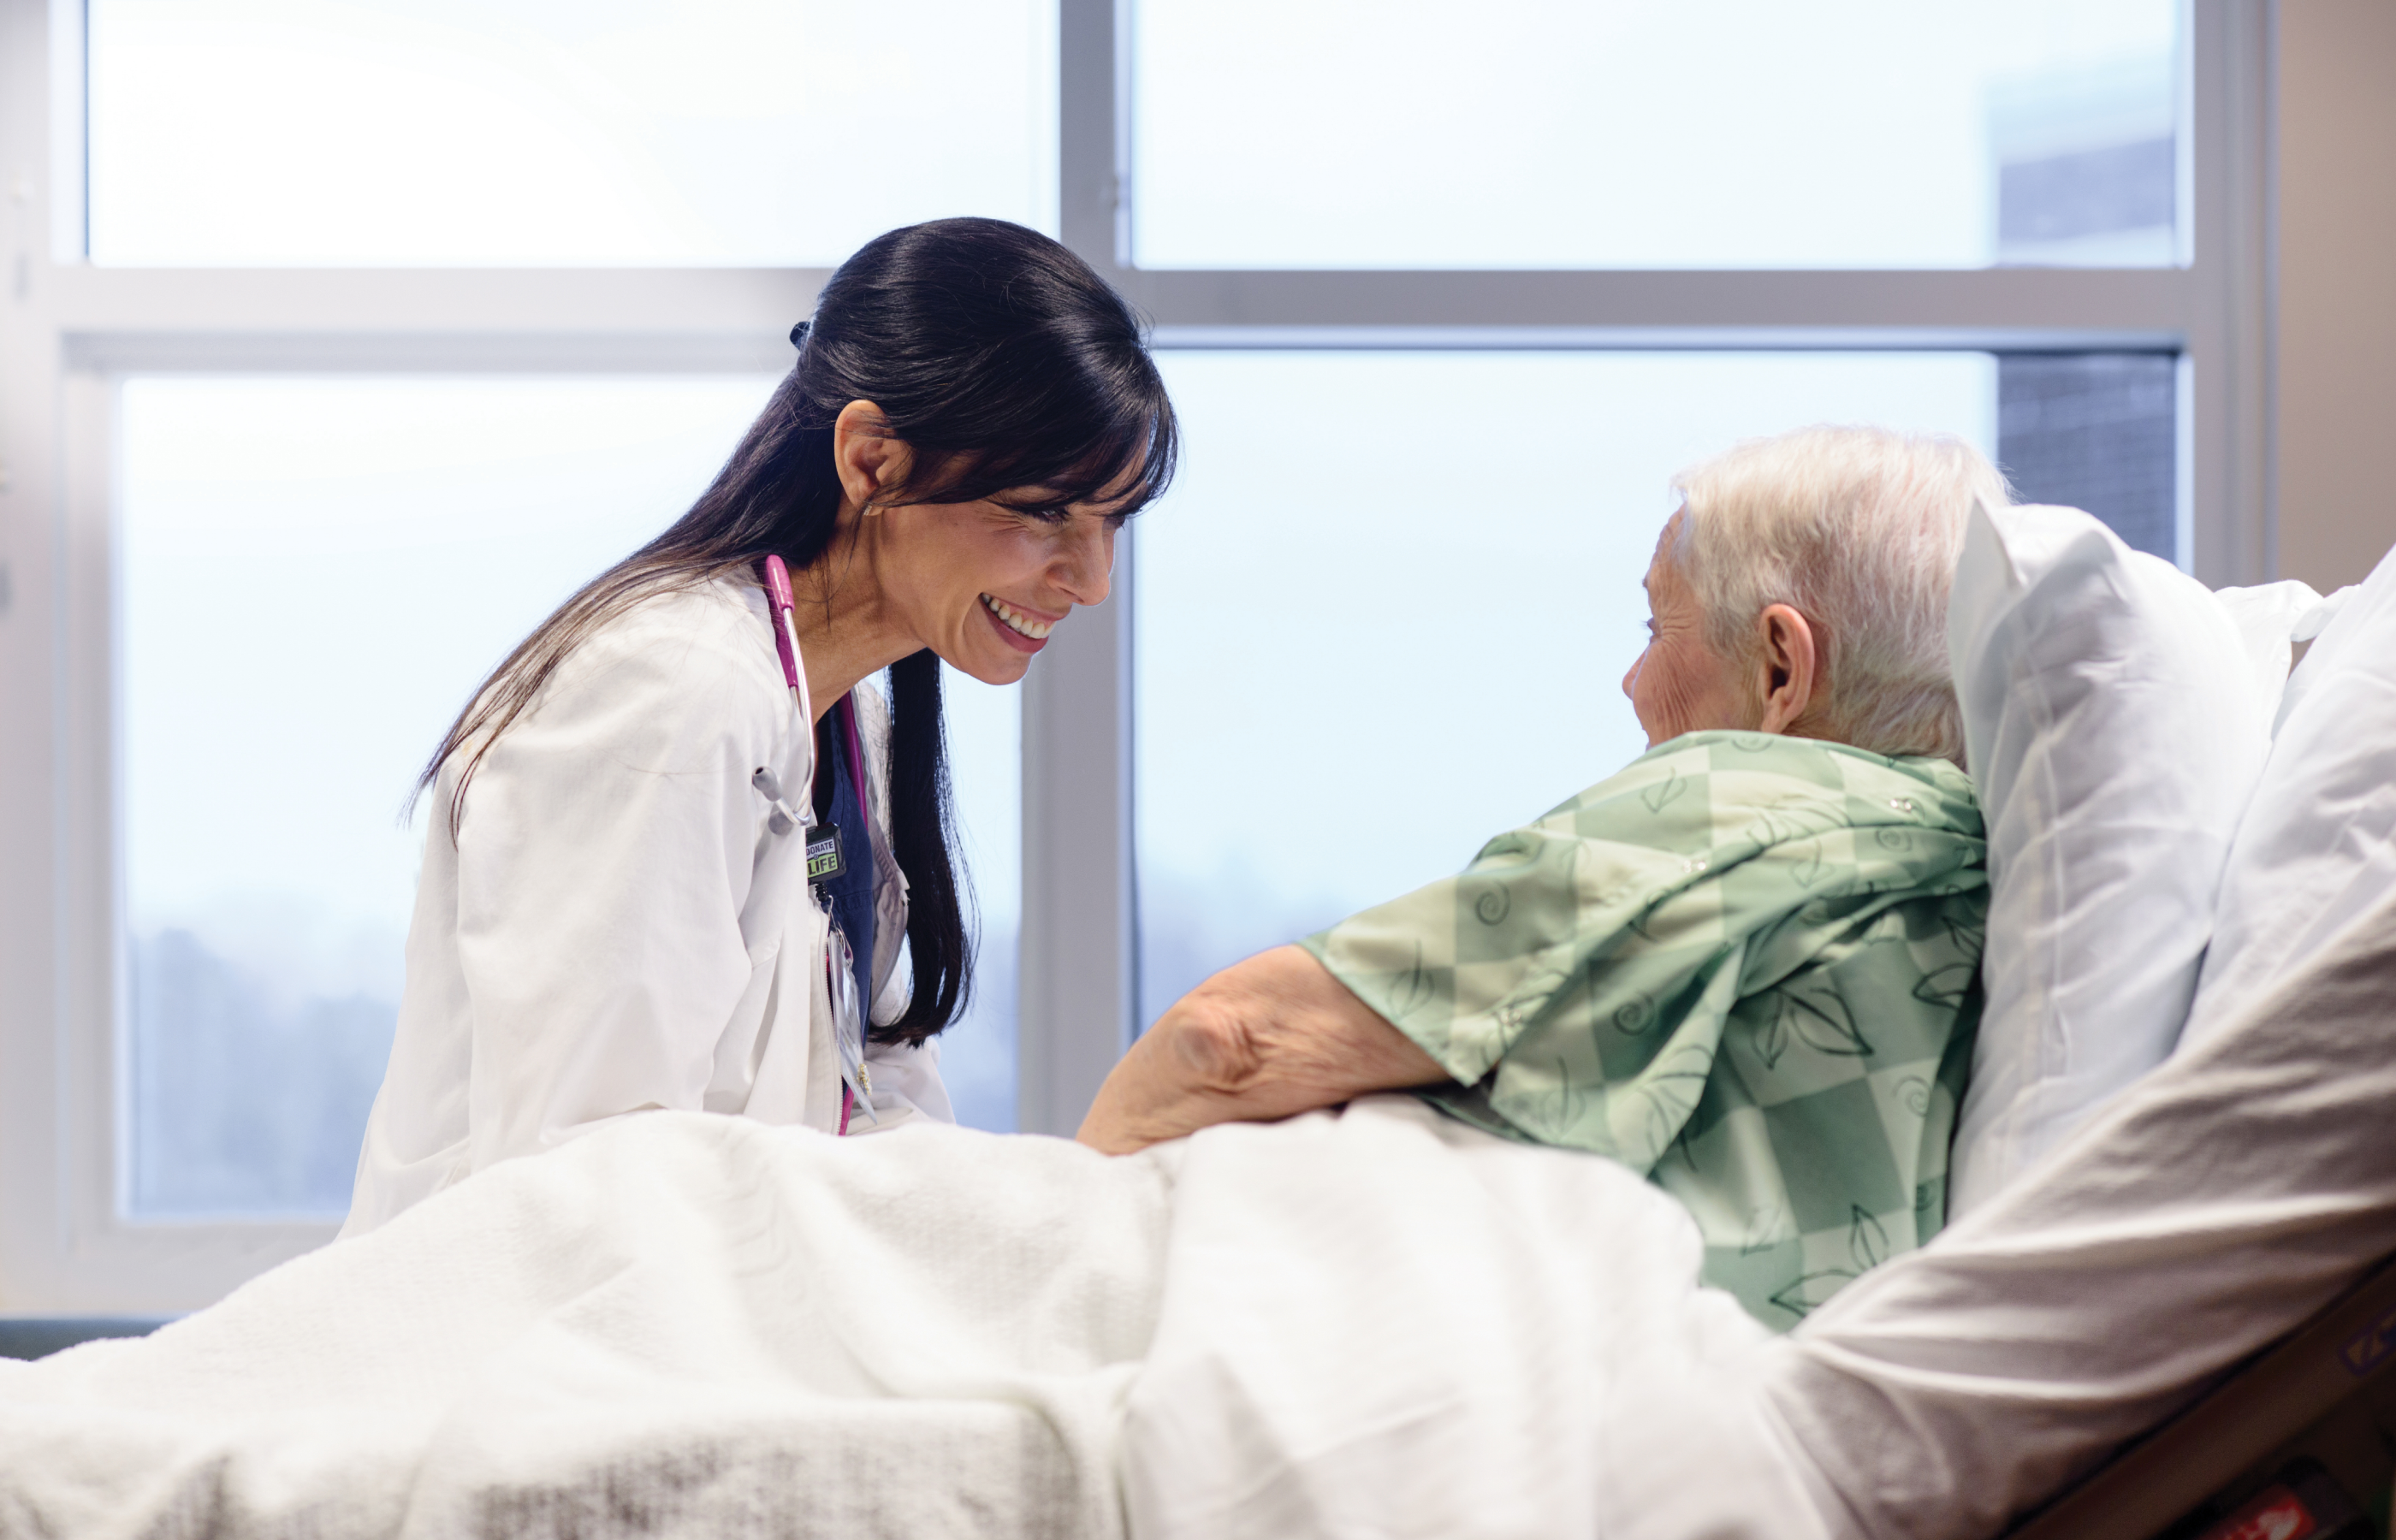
x,y
2337,287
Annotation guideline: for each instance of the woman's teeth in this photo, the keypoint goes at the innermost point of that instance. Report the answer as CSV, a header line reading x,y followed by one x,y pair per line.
x,y
1018,621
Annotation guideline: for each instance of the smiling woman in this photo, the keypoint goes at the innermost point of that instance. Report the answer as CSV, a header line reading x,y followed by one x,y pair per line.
x,y
679,841
981,582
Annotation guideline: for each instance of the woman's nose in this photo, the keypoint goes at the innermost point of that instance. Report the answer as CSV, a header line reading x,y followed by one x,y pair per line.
x,y
1086,567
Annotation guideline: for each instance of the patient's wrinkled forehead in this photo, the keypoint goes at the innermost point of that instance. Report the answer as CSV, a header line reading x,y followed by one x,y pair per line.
x,y
1670,534
1665,580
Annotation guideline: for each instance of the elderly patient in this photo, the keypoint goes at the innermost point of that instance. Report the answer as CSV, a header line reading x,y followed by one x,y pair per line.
x,y
1747,966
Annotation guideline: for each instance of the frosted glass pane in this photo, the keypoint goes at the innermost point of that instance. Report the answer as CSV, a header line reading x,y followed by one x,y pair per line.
x,y
1626,133
986,775
544,132
1386,610
2098,432
314,574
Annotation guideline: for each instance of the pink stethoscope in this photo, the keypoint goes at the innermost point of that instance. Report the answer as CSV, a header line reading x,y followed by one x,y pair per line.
x,y
848,1016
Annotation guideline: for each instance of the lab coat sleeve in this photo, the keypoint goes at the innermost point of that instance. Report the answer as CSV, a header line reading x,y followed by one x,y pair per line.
x,y
606,850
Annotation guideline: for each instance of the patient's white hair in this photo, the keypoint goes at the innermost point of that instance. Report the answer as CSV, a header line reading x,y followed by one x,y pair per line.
x,y
1858,529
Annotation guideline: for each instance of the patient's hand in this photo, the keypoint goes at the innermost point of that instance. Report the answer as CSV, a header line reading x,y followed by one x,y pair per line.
x,y
1268,1038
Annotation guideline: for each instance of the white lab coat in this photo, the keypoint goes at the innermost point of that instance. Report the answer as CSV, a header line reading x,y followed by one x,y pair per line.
x,y
617,928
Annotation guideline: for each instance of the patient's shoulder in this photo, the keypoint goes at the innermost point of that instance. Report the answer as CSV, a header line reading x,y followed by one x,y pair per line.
x,y
1700,787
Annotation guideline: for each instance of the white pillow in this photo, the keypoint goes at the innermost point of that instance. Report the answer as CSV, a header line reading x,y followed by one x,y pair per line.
x,y
2115,733
2272,618
2319,842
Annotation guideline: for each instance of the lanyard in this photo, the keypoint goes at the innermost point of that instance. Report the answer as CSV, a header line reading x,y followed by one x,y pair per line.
x,y
784,817
847,1011
779,606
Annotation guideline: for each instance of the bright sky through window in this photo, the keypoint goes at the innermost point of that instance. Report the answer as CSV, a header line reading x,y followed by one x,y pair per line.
x,y
1627,133
548,133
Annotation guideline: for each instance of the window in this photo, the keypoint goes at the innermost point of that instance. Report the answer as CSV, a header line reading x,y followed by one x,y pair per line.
x,y
524,132
986,777
347,335
1725,134
2096,431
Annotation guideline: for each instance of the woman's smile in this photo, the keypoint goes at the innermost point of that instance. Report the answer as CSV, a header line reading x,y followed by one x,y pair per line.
x,y
1026,631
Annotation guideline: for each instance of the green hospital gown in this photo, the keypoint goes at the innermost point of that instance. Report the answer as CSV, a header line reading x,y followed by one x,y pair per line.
x,y
1747,967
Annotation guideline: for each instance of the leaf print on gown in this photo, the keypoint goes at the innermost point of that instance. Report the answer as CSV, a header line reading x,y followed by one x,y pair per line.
x,y
1410,992
1820,1016
1664,792
1816,1015
1867,1240
1810,1291
1948,984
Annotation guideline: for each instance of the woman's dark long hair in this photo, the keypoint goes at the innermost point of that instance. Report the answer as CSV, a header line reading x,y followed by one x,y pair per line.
x,y
1004,363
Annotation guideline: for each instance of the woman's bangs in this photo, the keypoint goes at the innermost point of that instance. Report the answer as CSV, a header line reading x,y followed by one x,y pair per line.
x,y
1130,466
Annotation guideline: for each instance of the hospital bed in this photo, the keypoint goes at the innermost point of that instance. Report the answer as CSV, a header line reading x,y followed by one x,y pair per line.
x,y
2326,1394
1946,1393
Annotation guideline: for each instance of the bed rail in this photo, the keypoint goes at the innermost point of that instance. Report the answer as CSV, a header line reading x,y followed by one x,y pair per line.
x,y
2232,1438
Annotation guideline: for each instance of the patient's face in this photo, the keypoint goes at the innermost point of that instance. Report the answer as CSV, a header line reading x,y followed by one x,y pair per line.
x,y
1679,683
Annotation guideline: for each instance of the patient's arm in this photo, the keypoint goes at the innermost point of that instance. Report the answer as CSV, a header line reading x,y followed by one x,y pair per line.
x,y
1267,1038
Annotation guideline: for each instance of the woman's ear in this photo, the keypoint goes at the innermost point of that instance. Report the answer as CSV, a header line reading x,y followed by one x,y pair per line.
x,y
1789,664
871,461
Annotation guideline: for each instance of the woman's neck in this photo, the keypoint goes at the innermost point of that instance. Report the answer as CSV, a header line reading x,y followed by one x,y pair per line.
x,y
848,629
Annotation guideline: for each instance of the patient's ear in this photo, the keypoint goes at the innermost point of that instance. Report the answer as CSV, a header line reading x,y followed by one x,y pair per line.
x,y
1788,665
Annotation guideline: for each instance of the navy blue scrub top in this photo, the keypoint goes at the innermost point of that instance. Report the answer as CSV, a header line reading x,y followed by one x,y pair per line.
x,y
852,892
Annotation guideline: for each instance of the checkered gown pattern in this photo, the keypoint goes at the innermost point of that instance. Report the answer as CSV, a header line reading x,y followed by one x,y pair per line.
x,y
1747,967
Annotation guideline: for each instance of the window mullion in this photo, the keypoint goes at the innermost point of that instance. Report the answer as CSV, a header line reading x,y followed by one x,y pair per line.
x,y
1075,999
1808,304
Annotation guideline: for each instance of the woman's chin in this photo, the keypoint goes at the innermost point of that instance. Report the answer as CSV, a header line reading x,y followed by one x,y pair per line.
x,y
991,665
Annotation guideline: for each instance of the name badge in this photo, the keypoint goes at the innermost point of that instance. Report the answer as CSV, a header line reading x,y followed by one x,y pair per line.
x,y
823,853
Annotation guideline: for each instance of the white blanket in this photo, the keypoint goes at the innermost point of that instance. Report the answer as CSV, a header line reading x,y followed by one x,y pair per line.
x,y
1386,1323
1377,1323
683,1325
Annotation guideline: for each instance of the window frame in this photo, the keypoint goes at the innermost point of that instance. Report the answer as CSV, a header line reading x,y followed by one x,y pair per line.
x,y
74,332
